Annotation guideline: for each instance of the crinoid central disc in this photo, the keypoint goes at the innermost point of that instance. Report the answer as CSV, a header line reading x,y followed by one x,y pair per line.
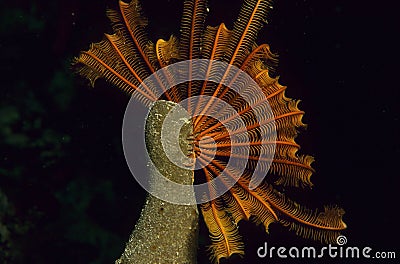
x,y
219,142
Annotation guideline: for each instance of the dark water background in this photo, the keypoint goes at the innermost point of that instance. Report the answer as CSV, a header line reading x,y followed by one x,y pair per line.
x,y
66,194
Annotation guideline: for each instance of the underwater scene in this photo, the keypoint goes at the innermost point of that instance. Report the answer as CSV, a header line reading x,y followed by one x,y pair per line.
x,y
195,131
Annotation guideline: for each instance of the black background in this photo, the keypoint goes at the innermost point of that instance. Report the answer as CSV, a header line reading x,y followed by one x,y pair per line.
x,y
79,203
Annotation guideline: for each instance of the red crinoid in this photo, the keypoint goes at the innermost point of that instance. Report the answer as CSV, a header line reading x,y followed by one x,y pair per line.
x,y
127,57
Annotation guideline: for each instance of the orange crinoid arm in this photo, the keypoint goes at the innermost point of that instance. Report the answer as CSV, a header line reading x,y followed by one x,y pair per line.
x,y
127,57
